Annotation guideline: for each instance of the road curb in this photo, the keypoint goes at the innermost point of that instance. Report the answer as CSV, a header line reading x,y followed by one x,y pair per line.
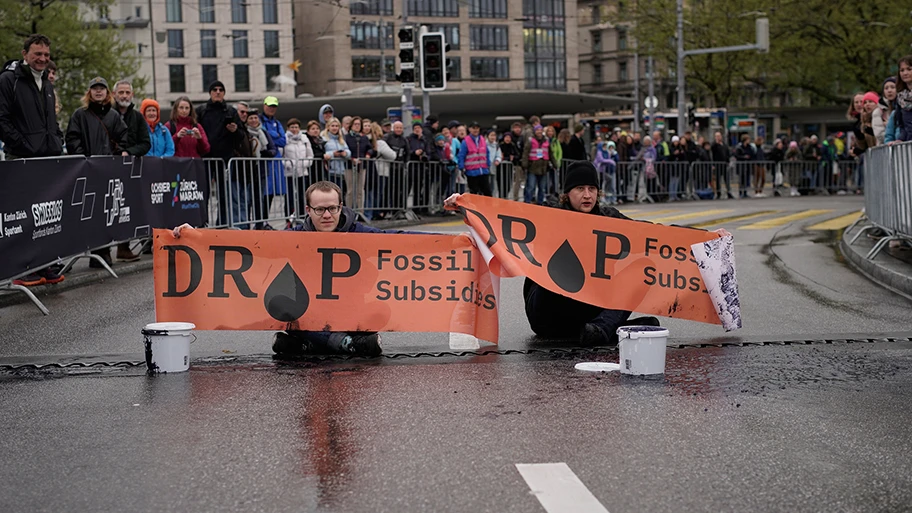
x,y
889,277
74,280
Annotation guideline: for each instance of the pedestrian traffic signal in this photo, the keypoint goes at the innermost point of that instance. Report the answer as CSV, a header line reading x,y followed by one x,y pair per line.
x,y
433,62
407,57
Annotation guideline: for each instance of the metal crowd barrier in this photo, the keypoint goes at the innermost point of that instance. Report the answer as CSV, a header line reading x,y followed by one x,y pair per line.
x,y
888,196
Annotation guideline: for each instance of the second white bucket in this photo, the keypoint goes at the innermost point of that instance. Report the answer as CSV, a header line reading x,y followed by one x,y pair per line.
x,y
642,350
167,346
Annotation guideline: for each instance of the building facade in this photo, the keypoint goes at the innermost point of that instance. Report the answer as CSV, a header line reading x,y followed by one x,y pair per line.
x,y
185,45
495,45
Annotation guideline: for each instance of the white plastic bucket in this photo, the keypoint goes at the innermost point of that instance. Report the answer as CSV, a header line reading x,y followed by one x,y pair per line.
x,y
167,346
642,350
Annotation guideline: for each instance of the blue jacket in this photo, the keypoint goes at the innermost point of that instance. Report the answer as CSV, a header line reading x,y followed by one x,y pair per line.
x,y
162,144
892,132
463,152
337,165
274,129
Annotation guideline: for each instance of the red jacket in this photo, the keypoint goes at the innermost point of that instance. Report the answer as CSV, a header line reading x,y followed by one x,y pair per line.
x,y
188,146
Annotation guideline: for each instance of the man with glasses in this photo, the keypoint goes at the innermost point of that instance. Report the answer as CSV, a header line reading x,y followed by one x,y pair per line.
x,y
326,213
223,126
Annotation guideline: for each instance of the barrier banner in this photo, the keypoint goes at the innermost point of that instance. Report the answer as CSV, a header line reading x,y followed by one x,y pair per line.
x,y
611,263
284,280
55,208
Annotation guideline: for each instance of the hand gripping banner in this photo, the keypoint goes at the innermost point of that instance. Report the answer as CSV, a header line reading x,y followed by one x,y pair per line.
x,y
608,262
274,280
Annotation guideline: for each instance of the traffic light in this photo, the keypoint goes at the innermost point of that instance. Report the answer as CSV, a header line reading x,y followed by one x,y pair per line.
x,y
433,62
407,57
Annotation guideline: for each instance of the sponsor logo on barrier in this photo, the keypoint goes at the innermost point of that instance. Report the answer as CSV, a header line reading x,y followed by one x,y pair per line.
x,y
47,216
6,220
186,193
115,204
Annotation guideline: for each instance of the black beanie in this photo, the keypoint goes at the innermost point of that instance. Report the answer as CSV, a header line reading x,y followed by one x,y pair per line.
x,y
580,173
216,83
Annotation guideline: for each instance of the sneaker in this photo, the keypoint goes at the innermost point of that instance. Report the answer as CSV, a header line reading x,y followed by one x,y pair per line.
x,y
363,344
31,280
289,345
592,335
50,276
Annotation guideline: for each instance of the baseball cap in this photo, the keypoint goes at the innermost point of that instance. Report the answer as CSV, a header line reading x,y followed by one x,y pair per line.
x,y
474,124
271,101
98,81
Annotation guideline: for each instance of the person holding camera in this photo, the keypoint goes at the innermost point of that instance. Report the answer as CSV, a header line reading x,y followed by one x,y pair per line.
x,y
227,138
189,136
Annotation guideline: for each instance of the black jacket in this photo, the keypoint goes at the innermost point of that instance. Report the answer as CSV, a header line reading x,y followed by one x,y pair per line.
x,y
28,121
399,144
318,144
359,145
720,152
138,140
213,117
416,143
510,152
576,150
98,130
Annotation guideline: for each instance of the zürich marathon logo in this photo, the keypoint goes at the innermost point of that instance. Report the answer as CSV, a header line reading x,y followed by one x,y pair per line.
x,y
287,299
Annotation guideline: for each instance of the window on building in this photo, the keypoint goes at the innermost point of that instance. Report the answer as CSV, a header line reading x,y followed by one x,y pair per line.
x,y
242,78
367,34
450,33
138,13
207,43
176,78
622,71
490,68
271,43
544,43
373,7
173,12
596,41
207,11
175,43
270,11
597,73
367,67
596,14
239,39
489,37
455,68
435,8
622,39
238,11
272,71
210,75
488,8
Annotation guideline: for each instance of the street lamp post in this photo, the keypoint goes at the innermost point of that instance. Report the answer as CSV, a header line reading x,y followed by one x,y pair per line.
x,y
762,45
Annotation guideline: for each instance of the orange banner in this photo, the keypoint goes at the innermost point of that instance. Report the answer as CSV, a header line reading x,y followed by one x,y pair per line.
x,y
612,263
264,280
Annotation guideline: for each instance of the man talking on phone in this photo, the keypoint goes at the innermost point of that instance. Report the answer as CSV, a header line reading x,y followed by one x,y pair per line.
x,y
223,126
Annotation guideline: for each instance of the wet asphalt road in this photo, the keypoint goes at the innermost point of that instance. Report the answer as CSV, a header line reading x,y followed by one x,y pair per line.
x,y
758,428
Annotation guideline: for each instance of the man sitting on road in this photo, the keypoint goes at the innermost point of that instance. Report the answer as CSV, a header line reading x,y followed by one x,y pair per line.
x,y
552,315
325,213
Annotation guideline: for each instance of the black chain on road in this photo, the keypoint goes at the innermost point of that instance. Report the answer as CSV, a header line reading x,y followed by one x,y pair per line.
x,y
554,351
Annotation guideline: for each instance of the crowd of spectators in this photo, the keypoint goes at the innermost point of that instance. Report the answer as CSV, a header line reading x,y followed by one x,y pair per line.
x,y
384,171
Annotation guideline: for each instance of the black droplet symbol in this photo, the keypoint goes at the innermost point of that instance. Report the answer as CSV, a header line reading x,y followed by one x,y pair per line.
x,y
286,299
565,269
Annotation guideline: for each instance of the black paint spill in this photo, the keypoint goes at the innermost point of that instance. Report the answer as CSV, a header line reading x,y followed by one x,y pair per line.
x,y
286,299
565,268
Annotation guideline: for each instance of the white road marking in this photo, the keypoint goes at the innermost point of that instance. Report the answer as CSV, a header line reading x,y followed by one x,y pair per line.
x,y
558,489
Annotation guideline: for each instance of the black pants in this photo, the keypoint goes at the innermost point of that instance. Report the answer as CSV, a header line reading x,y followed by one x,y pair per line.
x,y
480,185
555,316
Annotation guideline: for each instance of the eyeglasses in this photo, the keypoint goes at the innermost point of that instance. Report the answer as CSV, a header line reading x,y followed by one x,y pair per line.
x,y
218,89
334,209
